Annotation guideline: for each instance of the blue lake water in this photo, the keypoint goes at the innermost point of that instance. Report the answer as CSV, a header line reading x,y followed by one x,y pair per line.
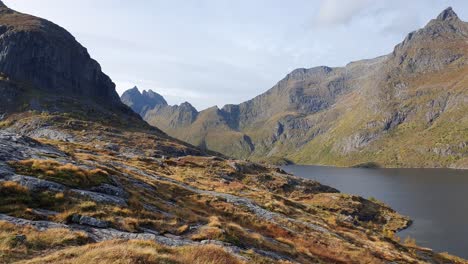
x,y
435,199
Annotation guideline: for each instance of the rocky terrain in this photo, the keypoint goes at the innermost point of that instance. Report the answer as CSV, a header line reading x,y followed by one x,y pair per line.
x,y
404,109
85,180
113,186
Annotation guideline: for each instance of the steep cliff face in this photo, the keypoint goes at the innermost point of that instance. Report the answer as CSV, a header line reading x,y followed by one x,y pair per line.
x,y
402,109
45,56
44,68
303,90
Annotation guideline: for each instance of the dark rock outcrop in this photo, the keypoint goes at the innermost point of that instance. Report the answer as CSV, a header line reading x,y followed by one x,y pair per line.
x,y
38,52
89,221
447,14
45,69
101,197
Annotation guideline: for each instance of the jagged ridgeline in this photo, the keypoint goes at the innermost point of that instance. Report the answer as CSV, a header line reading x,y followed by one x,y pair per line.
x,y
83,179
404,109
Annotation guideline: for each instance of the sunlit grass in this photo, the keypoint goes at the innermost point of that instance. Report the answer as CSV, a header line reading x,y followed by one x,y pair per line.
x,y
134,251
67,174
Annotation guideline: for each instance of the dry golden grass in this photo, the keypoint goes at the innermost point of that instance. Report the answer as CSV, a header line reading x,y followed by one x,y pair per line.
x,y
250,235
17,200
182,229
135,251
87,206
222,220
12,188
206,255
25,242
210,233
410,242
67,174
130,224
446,257
214,221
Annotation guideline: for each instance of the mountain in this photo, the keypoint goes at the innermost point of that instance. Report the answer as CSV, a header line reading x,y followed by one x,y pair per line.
x,y
83,179
44,68
404,109
142,102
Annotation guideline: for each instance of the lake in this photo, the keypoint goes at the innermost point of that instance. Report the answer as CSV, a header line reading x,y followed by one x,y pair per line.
x,y
435,199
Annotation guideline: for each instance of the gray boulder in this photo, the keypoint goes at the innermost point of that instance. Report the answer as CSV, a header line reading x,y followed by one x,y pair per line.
x,y
100,197
89,221
110,190
35,184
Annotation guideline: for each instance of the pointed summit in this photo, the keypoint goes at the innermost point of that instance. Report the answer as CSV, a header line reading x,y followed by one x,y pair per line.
x,y
447,14
142,102
134,90
2,5
155,97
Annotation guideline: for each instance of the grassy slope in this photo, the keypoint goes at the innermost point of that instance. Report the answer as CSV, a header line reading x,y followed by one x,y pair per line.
x,y
209,131
368,237
413,143
138,252
409,144
375,94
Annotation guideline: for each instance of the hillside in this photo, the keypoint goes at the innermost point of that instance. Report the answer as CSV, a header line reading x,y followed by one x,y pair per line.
x,y
84,180
404,109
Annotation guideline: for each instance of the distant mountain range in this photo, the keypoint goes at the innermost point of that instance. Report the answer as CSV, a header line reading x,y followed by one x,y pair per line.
x,y
405,109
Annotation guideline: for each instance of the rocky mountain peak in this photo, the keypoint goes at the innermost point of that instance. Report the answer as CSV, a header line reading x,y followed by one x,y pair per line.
x,y
142,102
134,92
155,96
187,106
49,59
411,55
134,89
446,22
4,9
447,14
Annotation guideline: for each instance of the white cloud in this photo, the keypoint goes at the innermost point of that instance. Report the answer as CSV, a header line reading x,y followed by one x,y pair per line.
x,y
334,12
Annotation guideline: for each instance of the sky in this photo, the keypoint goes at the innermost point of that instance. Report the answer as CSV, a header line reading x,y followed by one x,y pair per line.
x,y
217,52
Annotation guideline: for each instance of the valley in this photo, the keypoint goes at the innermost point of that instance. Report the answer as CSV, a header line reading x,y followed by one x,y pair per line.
x,y
85,179
404,109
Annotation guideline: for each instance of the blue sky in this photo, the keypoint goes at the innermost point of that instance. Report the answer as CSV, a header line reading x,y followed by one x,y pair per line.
x,y
215,52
